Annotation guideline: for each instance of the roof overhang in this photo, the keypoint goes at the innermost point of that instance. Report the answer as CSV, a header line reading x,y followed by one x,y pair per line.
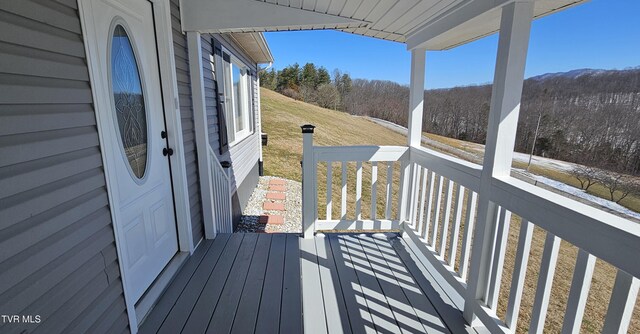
x,y
254,45
430,24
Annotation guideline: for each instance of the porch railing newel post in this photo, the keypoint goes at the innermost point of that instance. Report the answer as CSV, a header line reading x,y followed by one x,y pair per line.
x,y
309,194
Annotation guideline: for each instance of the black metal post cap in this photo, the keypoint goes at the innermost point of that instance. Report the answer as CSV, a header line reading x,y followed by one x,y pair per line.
x,y
307,128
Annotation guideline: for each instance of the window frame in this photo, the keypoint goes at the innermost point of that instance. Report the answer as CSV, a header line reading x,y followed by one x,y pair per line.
x,y
231,113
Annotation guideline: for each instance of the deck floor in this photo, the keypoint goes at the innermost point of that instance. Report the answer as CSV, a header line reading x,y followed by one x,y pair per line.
x,y
280,283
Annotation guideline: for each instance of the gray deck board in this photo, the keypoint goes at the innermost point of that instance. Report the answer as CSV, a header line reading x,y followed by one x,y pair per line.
x,y
247,312
425,311
334,304
381,313
277,283
201,313
161,310
225,311
447,309
269,312
312,300
357,309
180,312
291,310
402,310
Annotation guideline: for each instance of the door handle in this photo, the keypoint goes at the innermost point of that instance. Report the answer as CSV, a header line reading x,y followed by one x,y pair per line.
x,y
167,151
163,134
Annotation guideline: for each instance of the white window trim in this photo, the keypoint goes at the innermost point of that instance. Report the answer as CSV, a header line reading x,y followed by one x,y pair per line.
x,y
245,86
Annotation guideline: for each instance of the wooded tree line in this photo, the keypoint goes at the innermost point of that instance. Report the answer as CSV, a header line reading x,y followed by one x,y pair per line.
x,y
592,119
586,116
310,84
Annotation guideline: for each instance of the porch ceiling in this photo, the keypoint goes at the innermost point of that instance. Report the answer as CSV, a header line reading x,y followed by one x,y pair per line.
x,y
434,24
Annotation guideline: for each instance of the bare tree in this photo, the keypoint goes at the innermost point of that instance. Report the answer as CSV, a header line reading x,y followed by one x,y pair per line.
x,y
586,175
619,185
328,96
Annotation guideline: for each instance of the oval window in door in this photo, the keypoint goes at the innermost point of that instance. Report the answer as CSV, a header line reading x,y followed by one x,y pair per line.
x,y
128,101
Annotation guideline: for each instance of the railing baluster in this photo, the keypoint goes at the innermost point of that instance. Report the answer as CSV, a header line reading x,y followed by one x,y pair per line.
x,y
445,218
623,299
519,273
413,199
343,198
374,189
423,192
429,203
457,218
497,266
469,223
403,191
582,274
545,280
329,189
359,190
389,189
436,215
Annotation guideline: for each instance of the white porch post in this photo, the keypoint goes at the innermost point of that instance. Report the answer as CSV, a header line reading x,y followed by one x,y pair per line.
x,y
414,128
515,26
416,97
309,193
201,133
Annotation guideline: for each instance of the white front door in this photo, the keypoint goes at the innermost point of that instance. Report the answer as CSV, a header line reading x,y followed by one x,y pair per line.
x,y
131,119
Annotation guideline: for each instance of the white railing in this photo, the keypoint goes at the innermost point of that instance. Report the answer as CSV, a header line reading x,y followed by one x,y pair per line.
x,y
440,209
222,210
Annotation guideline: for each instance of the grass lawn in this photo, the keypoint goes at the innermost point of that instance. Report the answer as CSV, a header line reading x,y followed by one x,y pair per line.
x,y
281,119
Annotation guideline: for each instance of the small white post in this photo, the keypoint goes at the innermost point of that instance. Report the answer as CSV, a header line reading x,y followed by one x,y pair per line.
x,y
309,210
513,43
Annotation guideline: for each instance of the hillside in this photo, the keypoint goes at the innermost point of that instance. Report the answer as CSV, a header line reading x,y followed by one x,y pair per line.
x,y
281,120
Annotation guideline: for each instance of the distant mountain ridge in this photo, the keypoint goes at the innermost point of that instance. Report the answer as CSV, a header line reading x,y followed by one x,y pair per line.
x,y
574,74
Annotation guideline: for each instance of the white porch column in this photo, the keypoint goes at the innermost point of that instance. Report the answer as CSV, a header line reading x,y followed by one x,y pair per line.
x,y
416,97
414,130
515,26
202,135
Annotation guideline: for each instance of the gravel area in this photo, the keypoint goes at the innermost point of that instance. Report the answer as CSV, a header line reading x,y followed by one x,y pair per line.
x,y
249,223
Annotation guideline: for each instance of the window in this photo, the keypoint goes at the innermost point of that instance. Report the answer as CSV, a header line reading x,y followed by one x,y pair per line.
x,y
237,96
128,101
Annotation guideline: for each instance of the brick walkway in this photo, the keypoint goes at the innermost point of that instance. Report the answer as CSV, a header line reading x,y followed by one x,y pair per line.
x,y
273,205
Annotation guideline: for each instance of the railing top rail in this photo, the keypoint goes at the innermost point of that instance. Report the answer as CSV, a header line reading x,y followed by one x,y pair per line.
x,y
602,234
360,153
463,172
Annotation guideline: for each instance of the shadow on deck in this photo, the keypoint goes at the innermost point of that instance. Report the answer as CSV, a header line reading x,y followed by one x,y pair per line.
x,y
280,283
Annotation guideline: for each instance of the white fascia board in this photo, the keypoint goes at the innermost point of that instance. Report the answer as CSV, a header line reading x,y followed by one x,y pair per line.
x,y
218,16
450,19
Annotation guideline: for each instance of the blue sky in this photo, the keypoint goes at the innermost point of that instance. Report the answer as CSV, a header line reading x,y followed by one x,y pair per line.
x,y
602,34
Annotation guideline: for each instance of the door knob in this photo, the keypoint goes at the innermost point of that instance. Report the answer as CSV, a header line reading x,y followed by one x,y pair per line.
x,y
163,134
167,151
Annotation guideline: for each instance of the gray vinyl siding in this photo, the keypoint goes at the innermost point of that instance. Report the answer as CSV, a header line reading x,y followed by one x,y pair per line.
x,y
186,114
58,256
243,155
